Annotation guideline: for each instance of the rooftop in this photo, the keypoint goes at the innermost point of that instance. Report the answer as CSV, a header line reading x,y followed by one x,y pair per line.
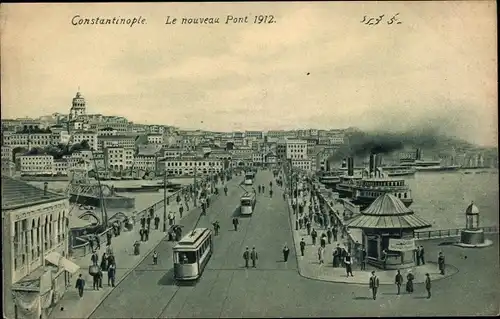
x,y
388,211
18,194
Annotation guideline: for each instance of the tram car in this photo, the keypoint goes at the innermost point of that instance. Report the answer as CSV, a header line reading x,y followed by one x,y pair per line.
x,y
247,203
191,254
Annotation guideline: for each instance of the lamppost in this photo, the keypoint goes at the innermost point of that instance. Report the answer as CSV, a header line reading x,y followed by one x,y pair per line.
x,y
165,201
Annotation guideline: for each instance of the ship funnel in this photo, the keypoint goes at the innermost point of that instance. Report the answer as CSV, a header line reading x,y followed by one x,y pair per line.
x,y
372,164
350,166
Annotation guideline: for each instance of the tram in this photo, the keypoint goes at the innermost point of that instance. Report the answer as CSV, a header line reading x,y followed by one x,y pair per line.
x,y
191,254
247,203
249,177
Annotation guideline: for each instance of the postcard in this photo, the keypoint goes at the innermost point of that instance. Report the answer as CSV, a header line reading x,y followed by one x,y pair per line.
x,y
260,159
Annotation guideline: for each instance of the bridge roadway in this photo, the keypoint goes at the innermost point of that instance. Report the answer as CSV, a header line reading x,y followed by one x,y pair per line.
x,y
275,289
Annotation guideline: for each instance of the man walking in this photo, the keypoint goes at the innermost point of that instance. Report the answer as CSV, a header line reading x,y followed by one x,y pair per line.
x,y
399,281
441,262
428,285
246,257
286,252
374,283
80,284
302,247
314,235
111,274
254,257
235,223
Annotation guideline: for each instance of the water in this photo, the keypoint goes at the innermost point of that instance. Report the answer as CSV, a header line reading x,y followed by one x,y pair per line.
x,y
442,197
439,197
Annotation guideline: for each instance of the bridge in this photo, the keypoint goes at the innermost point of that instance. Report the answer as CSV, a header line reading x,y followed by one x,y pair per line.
x,y
90,194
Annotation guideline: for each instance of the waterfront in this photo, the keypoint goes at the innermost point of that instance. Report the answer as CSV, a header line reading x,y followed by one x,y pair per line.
x,y
441,197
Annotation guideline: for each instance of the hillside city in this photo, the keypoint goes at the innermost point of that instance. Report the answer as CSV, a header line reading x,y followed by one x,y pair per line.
x,y
55,144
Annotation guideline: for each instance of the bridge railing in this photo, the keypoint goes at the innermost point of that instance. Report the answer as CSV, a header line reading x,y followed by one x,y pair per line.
x,y
454,232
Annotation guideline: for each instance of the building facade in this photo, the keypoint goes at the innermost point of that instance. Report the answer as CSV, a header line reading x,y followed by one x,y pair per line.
x,y
37,164
117,158
296,149
34,248
183,167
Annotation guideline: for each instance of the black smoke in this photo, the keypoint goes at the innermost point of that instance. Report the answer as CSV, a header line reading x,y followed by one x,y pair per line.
x,y
362,144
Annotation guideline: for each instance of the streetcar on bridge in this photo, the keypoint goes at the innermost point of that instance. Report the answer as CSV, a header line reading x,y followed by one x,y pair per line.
x,y
247,203
191,254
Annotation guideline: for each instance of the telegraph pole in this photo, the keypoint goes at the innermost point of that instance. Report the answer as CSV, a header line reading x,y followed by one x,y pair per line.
x,y
165,201
194,183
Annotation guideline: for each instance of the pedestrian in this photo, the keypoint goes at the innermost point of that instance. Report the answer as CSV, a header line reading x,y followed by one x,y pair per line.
x,y
95,281
308,226
94,258
246,257
216,228
157,222
417,255
301,222
99,278
398,281
258,188
329,235
314,234
80,284
321,253
428,285
171,219
141,233
111,275
322,241
409,282
384,258
441,263
254,257
271,193
98,242
348,265
422,255
148,222
374,284
302,247
108,238
104,262
335,234
181,210
155,258
335,257
286,252
91,243
143,221
235,223
363,258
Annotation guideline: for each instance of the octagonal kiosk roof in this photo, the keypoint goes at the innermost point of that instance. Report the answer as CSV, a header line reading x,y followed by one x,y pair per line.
x,y
386,212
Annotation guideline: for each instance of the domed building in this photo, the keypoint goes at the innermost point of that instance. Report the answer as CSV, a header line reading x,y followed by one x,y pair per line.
x,y
388,228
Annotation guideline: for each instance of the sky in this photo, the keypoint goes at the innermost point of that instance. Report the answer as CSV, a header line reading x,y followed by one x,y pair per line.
x,y
317,66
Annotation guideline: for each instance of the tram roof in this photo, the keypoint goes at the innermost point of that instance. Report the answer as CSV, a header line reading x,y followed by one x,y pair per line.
x,y
193,237
247,195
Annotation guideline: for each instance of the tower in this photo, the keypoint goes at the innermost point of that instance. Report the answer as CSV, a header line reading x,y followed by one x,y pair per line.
x,y
77,106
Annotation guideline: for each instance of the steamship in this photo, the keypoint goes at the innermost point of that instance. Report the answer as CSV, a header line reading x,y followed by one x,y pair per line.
x,y
346,183
373,184
330,178
429,165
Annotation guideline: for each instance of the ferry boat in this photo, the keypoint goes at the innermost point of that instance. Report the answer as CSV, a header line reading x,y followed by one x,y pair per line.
x,y
330,178
367,190
430,165
399,170
346,184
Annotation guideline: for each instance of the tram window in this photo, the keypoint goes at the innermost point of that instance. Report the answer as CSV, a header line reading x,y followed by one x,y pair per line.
x,y
187,257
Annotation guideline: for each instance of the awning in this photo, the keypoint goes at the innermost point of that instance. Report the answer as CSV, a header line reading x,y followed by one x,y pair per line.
x,y
58,260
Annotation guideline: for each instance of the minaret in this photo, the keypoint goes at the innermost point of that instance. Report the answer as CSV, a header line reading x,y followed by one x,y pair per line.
x,y
78,106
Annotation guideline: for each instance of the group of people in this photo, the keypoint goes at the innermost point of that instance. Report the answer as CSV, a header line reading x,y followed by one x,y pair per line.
x,y
261,189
